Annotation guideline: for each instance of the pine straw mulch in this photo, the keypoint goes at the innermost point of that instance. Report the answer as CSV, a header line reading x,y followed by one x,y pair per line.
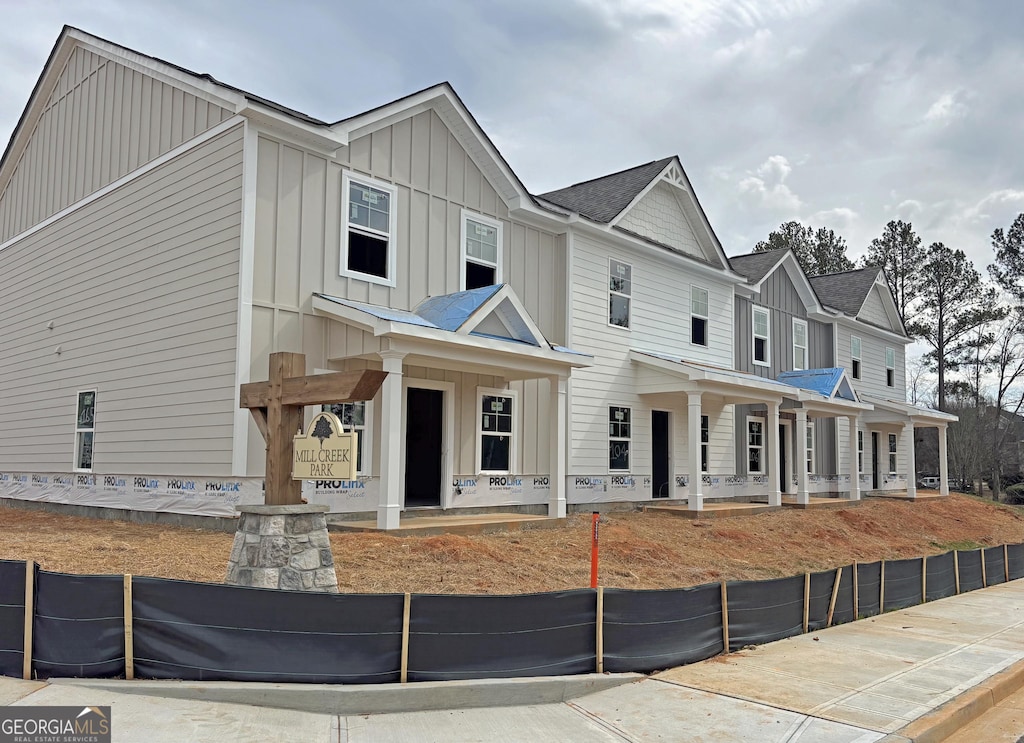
x,y
638,550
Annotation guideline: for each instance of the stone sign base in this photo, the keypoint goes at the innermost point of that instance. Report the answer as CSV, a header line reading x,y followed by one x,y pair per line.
x,y
282,547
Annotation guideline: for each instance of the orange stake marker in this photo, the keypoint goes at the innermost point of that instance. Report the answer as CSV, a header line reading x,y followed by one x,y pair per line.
x,y
593,550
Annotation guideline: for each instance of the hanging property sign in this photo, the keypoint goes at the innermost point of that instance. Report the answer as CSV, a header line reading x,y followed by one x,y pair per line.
x,y
326,451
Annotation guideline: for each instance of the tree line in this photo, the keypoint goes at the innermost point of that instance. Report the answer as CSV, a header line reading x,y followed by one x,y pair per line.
x,y
972,324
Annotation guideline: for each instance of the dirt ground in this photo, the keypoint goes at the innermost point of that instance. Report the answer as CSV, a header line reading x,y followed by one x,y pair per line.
x,y
638,550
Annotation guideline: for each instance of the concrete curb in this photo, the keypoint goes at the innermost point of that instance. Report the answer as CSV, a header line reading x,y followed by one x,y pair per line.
x,y
964,708
365,699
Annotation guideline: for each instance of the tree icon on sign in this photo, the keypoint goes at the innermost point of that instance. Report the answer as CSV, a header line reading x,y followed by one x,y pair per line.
x,y
323,430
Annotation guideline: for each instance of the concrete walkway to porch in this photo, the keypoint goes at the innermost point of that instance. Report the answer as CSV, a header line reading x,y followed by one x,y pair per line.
x,y
428,526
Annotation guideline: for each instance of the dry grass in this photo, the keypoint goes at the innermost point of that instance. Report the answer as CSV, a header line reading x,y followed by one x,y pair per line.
x,y
638,550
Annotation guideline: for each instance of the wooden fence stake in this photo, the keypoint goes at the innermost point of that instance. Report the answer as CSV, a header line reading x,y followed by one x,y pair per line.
x,y
129,638
856,593
924,579
956,570
30,612
881,588
725,618
835,595
984,578
405,638
600,629
1006,563
807,599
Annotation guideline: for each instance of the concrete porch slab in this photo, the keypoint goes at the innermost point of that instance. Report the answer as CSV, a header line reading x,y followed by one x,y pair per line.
x,y
428,526
715,510
818,503
902,495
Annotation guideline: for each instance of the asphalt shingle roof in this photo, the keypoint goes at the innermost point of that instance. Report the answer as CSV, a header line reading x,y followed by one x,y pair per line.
x,y
845,291
602,199
755,266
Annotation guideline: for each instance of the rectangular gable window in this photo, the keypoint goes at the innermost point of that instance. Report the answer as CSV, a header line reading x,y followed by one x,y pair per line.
x,y
855,356
619,431
799,344
762,348
355,416
890,367
497,424
481,251
368,238
705,439
620,290
85,429
755,447
892,453
698,316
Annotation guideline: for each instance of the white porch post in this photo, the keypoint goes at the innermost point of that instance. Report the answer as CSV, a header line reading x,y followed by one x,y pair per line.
x,y
558,398
803,496
943,463
908,447
389,507
774,481
854,468
695,501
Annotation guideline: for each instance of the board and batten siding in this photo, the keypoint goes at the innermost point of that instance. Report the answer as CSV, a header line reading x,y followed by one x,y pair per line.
x,y
141,286
101,121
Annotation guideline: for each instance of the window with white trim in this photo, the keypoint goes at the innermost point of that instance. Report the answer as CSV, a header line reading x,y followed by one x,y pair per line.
x,y
890,367
619,433
698,316
892,454
705,439
860,451
481,251
620,291
855,356
356,416
761,325
755,446
368,236
800,355
809,447
496,430
85,430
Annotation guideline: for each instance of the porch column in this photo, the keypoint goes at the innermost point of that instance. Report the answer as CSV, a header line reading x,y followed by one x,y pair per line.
x,y
803,495
558,398
389,506
854,468
908,447
774,481
943,464
695,502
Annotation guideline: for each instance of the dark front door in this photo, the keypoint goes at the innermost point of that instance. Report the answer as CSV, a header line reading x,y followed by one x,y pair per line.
x,y
660,448
874,460
424,429
782,458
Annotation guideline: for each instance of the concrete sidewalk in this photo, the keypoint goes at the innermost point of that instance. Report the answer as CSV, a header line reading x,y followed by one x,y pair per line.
x,y
915,675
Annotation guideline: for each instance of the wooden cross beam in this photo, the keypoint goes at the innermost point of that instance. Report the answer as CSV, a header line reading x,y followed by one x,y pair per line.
x,y
277,405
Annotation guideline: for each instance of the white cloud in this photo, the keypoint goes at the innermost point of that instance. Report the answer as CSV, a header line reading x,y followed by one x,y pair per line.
x,y
949,106
838,218
995,204
766,187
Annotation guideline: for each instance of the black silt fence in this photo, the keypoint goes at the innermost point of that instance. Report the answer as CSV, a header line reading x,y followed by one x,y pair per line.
x,y
995,565
649,630
1015,559
869,589
211,632
941,577
764,611
903,583
970,570
12,617
78,629
541,634
820,599
843,611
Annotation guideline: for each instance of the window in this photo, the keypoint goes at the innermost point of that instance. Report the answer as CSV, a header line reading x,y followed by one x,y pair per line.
x,y
855,356
799,344
860,451
481,251
355,416
85,428
890,367
497,423
809,447
618,438
698,316
620,289
892,454
755,447
705,438
367,243
761,340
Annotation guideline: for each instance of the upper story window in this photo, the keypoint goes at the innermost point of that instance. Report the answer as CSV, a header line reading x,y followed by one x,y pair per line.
x,y
85,429
755,446
698,316
368,237
481,251
355,416
620,291
855,356
890,367
497,430
762,341
619,434
799,344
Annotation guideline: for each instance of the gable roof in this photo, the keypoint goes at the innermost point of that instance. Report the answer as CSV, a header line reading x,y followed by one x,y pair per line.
x,y
755,266
830,382
846,291
602,199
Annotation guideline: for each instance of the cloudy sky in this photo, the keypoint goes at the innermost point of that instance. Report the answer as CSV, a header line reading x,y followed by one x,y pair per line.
x,y
843,113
